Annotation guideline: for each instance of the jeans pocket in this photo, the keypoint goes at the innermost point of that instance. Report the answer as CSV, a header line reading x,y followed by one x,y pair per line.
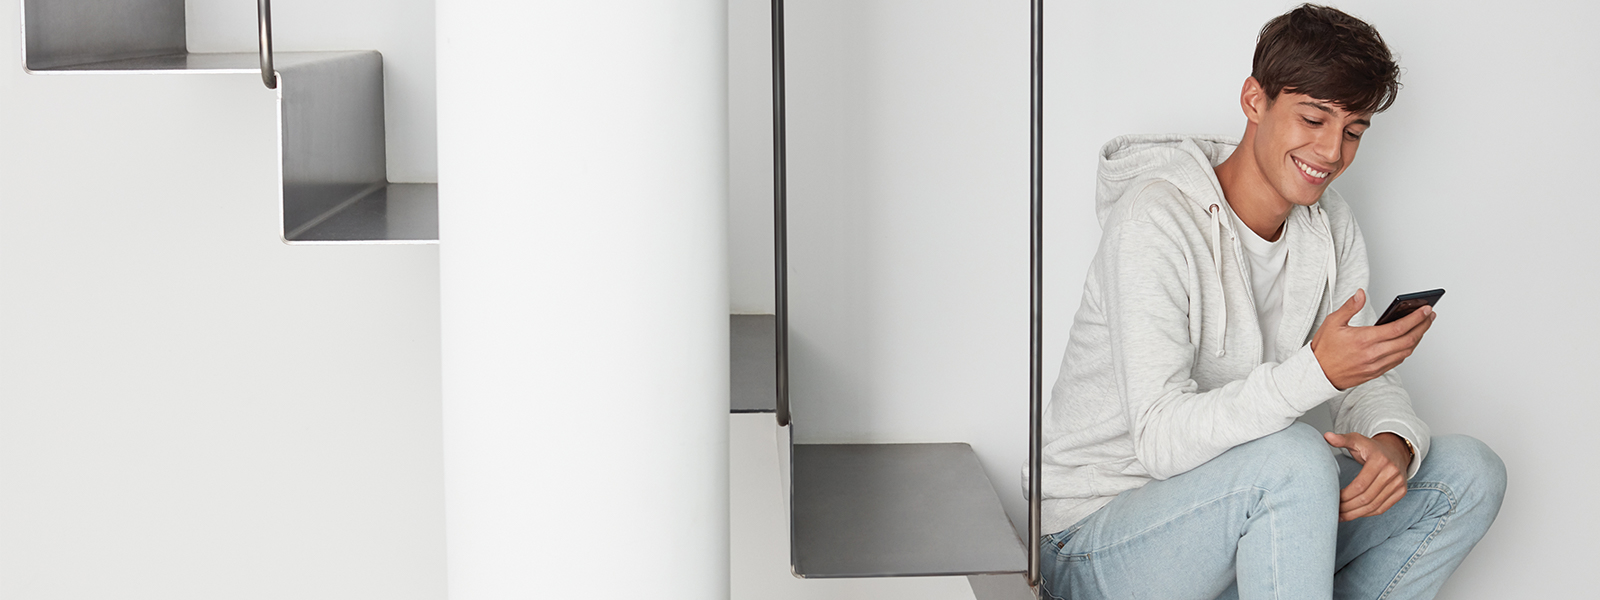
x,y
1056,543
1053,563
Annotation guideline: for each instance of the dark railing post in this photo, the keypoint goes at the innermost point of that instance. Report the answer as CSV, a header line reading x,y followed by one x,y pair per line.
x,y
269,74
780,226
1036,297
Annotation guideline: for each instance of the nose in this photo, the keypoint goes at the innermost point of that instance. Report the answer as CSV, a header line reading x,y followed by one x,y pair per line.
x,y
1329,145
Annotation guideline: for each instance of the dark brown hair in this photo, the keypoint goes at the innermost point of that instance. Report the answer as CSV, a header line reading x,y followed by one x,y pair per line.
x,y
1329,55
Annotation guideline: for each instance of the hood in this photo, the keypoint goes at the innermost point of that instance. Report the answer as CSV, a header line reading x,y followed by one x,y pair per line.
x,y
1186,161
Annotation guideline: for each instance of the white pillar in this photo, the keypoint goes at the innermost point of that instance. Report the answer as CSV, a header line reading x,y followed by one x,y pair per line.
x,y
583,175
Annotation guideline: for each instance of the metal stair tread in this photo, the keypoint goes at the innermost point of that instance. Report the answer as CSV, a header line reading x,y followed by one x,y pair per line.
x,y
753,371
898,510
391,213
199,62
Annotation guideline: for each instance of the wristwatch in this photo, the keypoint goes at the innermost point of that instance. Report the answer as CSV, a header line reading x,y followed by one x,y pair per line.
x,y
1410,448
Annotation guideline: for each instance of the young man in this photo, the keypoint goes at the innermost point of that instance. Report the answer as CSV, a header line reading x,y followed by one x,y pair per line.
x,y
1226,300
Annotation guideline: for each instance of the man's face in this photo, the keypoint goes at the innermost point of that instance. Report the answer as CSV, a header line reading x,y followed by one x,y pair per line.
x,y
1302,144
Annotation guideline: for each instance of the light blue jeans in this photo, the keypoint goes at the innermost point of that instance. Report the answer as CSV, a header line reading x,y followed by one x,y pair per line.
x,y
1261,521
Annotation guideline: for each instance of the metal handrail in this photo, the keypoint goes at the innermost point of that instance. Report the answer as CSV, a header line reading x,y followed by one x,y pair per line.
x,y
269,75
1036,298
780,226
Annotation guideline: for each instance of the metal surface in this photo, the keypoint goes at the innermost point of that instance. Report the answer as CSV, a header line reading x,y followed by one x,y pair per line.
x,y
333,133
233,62
269,75
1036,296
751,374
57,33
219,62
895,510
780,224
395,213
1001,587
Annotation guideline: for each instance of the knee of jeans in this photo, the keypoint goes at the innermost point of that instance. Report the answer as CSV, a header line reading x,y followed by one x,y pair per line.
x,y
1473,468
1299,456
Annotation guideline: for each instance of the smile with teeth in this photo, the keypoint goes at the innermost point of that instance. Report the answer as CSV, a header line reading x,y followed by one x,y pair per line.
x,y
1308,170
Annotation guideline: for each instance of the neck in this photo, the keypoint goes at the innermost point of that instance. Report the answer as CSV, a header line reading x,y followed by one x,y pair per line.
x,y
1258,205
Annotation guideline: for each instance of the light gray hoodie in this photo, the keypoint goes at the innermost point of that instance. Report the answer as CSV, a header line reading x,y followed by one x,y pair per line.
x,y
1165,368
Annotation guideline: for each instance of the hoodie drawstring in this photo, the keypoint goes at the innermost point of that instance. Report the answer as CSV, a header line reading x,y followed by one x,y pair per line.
x,y
1216,259
1333,261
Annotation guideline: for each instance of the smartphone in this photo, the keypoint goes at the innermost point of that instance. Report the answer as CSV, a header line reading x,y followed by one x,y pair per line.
x,y
1404,304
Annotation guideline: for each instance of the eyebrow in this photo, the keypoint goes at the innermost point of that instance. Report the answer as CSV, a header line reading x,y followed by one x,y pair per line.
x,y
1325,108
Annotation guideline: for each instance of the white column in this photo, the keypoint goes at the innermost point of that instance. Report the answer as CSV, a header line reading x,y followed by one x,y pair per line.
x,y
583,175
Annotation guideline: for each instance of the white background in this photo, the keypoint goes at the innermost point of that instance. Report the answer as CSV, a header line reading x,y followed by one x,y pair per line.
x,y
908,220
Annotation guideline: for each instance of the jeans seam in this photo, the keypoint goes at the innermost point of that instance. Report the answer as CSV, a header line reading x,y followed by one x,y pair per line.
x,y
1422,548
1046,589
1272,521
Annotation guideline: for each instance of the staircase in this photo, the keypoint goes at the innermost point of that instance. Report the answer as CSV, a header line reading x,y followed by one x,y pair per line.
x,y
334,185
884,510
880,510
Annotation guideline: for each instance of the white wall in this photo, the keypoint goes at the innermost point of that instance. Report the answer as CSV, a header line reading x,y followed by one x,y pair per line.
x,y
583,230
190,408
400,29
908,219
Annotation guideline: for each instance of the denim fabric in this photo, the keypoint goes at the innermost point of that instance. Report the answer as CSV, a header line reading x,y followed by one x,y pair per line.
x,y
1261,521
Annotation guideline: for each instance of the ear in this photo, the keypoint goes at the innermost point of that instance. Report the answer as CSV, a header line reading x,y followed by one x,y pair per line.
x,y
1253,99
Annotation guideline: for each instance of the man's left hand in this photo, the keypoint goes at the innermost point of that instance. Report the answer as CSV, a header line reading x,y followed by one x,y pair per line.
x,y
1382,481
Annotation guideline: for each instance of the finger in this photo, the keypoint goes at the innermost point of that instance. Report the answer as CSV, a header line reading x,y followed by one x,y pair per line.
x,y
1374,493
1350,308
1357,507
1336,440
1403,325
1349,441
1359,485
1354,510
1424,320
1388,355
1391,498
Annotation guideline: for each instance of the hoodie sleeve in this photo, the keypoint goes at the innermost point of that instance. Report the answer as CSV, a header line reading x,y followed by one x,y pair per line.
x,y
1380,405
1147,280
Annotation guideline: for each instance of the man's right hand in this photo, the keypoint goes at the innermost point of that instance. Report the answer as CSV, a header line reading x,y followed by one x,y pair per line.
x,y
1351,356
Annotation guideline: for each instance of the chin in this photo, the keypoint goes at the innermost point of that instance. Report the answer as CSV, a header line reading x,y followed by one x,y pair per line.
x,y
1302,196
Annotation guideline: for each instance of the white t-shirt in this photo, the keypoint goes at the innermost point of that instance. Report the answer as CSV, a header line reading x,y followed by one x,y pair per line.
x,y
1265,261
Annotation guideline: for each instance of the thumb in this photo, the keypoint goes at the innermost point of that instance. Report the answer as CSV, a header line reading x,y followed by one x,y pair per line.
x,y
1337,440
1350,308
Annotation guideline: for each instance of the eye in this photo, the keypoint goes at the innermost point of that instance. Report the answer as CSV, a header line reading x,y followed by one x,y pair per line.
x,y
1353,135
1312,122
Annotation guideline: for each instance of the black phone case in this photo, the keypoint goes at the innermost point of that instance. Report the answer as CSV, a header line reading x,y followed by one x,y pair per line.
x,y
1404,304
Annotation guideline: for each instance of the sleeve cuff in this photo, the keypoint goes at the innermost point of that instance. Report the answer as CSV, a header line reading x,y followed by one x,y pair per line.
x,y
1301,382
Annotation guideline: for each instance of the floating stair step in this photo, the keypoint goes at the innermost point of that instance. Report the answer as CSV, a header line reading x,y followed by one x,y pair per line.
x,y
199,62
1001,587
898,510
753,376
395,213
